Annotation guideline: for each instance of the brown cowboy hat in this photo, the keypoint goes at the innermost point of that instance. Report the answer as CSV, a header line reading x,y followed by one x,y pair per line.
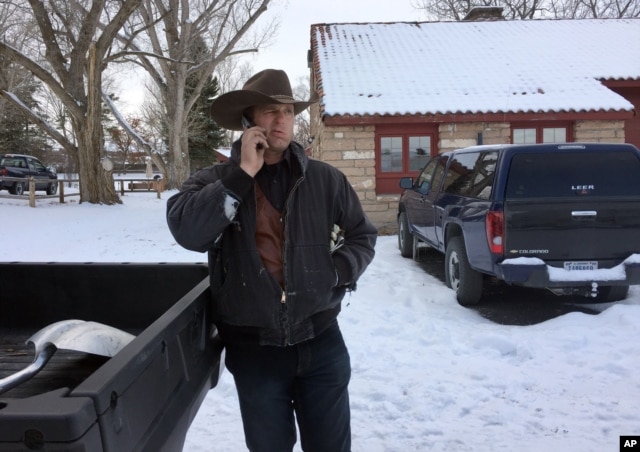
x,y
270,86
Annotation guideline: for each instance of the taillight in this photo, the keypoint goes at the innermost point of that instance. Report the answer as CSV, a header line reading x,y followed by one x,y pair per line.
x,y
3,172
495,231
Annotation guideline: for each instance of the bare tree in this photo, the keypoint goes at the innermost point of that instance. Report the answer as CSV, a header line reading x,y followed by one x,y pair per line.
x,y
172,28
232,73
443,9
532,9
458,9
594,9
126,147
302,125
76,48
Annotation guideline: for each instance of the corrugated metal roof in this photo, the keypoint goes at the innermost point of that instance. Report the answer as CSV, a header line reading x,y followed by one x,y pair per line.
x,y
475,67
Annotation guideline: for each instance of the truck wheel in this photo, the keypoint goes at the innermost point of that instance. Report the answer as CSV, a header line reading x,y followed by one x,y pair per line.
x,y
405,239
17,189
459,275
609,294
52,189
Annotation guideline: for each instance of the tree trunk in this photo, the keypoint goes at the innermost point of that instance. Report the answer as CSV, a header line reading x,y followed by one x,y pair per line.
x,y
179,148
177,131
96,184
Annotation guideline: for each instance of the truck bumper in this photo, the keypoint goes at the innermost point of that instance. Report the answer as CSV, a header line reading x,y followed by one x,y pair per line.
x,y
533,272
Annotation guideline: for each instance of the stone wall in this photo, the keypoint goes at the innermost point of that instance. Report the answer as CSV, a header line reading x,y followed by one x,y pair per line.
x,y
599,131
352,150
461,135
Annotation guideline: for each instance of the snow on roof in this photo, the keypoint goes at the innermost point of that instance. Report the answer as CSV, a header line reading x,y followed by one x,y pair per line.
x,y
474,67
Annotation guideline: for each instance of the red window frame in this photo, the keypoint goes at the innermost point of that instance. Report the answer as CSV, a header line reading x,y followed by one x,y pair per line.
x,y
540,126
387,182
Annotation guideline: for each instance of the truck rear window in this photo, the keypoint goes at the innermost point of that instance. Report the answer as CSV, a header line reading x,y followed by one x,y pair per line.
x,y
560,174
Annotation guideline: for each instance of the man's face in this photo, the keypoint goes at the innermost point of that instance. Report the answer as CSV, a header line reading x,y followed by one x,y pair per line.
x,y
277,119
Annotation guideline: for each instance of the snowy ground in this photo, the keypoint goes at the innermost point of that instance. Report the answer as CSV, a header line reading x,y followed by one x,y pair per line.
x,y
427,373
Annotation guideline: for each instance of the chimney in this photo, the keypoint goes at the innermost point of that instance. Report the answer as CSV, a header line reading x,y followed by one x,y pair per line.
x,y
484,13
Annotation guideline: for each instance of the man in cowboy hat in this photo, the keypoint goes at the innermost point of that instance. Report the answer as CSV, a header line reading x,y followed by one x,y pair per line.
x,y
286,237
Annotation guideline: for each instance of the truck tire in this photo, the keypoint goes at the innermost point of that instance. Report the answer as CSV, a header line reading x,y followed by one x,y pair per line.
x,y
609,294
405,239
459,275
52,189
17,189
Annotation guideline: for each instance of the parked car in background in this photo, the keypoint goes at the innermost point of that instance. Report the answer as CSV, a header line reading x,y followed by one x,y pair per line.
x,y
565,217
25,166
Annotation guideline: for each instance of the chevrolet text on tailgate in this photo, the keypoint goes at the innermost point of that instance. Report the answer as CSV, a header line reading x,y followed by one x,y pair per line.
x,y
565,217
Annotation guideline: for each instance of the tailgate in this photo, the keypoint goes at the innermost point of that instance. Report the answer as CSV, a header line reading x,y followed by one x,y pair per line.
x,y
578,205
605,231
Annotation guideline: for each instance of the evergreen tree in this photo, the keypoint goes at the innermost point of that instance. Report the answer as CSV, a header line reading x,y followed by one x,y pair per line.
x,y
204,134
17,134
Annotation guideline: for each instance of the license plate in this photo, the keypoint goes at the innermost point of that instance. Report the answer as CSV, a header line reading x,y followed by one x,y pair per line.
x,y
581,265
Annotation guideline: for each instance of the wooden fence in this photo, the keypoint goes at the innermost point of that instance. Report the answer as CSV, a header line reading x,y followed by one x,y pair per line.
x,y
123,185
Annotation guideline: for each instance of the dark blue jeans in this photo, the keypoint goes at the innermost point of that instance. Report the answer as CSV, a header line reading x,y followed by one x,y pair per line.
x,y
307,382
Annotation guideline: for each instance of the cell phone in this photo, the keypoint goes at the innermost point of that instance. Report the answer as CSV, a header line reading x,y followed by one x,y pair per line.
x,y
246,124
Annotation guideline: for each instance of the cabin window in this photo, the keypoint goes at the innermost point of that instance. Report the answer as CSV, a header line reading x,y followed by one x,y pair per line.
x,y
402,151
540,133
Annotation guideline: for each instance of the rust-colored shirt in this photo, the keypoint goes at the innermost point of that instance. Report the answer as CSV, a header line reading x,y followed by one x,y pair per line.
x,y
269,236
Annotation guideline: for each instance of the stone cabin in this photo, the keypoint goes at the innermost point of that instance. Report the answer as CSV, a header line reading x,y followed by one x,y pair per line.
x,y
394,94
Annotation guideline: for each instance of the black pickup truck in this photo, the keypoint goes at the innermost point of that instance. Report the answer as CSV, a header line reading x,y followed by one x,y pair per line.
x,y
143,397
560,216
16,169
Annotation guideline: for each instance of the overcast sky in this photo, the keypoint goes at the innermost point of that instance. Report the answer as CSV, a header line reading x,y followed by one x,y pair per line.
x,y
296,17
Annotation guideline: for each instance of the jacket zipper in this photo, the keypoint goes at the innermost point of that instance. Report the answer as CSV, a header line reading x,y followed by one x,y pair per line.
x,y
286,339
283,297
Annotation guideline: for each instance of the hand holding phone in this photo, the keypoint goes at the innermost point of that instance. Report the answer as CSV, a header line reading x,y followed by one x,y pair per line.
x,y
247,124
252,153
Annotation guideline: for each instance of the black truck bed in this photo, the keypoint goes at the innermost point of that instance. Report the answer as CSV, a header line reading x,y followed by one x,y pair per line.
x,y
143,398
66,369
